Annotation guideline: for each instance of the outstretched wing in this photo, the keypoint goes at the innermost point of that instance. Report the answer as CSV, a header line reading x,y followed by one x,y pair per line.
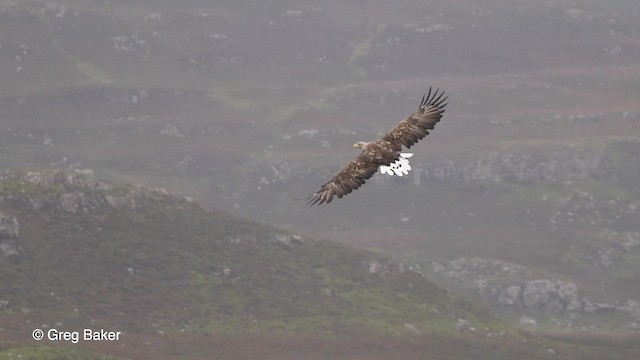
x,y
417,125
344,181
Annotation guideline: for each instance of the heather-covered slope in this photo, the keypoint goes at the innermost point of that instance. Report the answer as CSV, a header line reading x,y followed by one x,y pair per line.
x,y
77,250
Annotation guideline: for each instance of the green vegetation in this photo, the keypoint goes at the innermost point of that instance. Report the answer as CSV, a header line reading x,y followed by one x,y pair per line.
x,y
226,98
362,49
92,71
177,265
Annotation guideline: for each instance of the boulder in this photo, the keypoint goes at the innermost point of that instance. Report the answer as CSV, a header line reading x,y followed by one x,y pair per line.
x,y
511,296
413,329
551,296
9,227
9,233
527,321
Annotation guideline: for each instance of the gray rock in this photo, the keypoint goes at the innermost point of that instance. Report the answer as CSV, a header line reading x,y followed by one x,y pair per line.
x,y
468,269
573,306
605,307
413,329
480,286
120,202
632,307
39,202
9,249
606,258
588,306
621,243
562,164
9,233
464,325
551,296
375,268
84,178
171,130
527,321
9,227
71,202
511,296
285,239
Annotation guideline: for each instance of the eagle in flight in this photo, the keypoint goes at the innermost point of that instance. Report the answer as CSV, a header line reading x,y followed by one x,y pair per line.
x,y
384,151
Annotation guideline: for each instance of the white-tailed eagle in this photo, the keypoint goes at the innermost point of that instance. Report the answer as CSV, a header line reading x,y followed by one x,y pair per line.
x,y
384,151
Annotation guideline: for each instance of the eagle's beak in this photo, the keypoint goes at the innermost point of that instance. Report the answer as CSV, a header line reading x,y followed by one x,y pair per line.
x,y
355,146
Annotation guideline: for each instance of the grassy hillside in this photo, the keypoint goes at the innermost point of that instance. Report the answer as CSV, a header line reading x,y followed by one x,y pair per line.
x,y
136,259
179,278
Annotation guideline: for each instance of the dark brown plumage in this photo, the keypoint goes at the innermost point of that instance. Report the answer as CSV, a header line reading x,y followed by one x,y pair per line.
x,y
383,151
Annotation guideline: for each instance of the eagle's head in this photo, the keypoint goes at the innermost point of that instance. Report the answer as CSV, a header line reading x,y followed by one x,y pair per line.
x,y
360,145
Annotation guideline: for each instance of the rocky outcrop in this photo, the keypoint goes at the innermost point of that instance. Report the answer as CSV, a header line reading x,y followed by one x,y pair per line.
x,y
510,285
384,269
550,296
543,295
520,169
80,178
73,192
622,243
412,329
475,269
71,202
9,234
527,321
78,191
121,202
560,165
9,227
464,325
284,239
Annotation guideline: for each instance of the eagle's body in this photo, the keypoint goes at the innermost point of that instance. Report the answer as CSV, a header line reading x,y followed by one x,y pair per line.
x,y
379,151
383,151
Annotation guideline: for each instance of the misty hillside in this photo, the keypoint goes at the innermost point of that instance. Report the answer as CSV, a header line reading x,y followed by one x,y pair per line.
x,y
78,251
199,89
200,44
523,200
137,258
165,271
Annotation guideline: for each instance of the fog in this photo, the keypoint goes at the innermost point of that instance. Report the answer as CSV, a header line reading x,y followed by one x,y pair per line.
x,y
524,199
